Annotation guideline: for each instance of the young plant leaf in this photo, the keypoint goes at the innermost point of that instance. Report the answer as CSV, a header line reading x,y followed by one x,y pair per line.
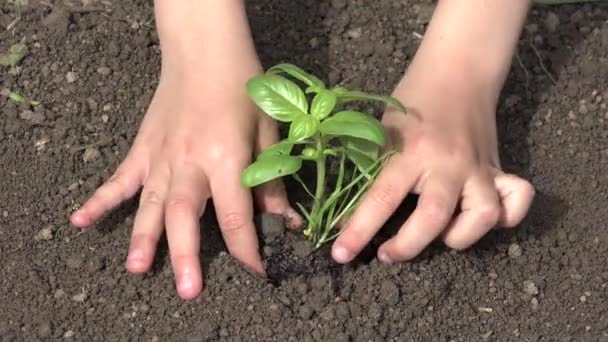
x,y
302,127
345,95
365,147
322,104
310,80
270,168
354,124
14,55
278,97
282,148
361,160
16,98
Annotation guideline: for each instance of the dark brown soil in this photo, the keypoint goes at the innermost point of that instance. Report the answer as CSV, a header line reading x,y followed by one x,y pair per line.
x,y
545,281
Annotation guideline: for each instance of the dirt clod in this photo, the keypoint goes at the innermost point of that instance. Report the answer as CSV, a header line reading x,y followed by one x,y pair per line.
x,y
91,154
45,234
515,250
530,288
271,225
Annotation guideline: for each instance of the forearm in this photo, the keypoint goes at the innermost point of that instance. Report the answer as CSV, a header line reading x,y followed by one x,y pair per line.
x,y
469,46
194,33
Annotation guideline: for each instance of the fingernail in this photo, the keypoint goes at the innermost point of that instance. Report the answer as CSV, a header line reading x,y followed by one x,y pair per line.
x,y
185,286
135,256
341,254
383,256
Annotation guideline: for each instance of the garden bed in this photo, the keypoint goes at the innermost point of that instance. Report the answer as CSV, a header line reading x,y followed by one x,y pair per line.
x,y
94,72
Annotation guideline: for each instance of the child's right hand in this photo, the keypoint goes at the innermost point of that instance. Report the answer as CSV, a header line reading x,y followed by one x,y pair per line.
x,y
200,132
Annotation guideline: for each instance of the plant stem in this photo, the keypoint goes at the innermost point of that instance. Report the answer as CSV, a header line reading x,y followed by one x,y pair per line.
x,y
316,216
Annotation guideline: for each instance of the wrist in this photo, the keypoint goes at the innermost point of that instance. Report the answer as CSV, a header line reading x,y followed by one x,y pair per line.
x,y
205,38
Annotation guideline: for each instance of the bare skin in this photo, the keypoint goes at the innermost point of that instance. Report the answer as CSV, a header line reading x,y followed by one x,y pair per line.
x,y
201,131
448,146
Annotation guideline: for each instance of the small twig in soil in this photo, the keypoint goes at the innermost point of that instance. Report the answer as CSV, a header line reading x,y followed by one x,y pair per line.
x,y
542,65
95,144
523,67
13,24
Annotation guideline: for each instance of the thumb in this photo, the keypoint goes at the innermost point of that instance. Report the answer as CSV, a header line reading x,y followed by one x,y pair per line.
x,y
516,195
271,197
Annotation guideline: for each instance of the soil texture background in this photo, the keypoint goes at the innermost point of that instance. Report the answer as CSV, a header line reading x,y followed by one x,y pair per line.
x,y
95,70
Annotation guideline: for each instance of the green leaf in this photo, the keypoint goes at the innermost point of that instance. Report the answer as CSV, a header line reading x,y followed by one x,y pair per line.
x,y
365,147
345,95
270,168
322,104
302,127
310,80
361,160
21,99
278,97
15,54
16,98
354,124
282,148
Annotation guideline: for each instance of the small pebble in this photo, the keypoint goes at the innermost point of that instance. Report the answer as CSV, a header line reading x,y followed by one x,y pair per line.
x,y
534,303
45,233
70,77
530,288
80,297
583,299
91,154
68,334
5,213
59,293
105,118
515,250
104,71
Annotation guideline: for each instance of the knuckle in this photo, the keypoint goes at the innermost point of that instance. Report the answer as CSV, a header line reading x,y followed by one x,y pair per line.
x,y
151,197
489,214
383,197
436,210
179,205
232,222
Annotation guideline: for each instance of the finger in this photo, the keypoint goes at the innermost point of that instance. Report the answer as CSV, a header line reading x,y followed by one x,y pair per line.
x,y
271,197
123,184
382,199
516,195
188,194
480,210
148,225
436,205
234,208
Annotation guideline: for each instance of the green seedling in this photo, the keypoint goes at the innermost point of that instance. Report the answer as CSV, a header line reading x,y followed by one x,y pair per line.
x,y
14,55
319,129
18,99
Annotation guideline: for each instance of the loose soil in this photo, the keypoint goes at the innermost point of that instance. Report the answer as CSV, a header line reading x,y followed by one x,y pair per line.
x,y
95,72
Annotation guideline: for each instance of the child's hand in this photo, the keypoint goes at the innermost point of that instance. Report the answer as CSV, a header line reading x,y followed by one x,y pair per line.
x,y
449,157
446,146
200,132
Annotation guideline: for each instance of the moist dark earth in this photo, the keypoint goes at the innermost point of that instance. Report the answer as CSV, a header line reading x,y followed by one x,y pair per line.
x,y
94,69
